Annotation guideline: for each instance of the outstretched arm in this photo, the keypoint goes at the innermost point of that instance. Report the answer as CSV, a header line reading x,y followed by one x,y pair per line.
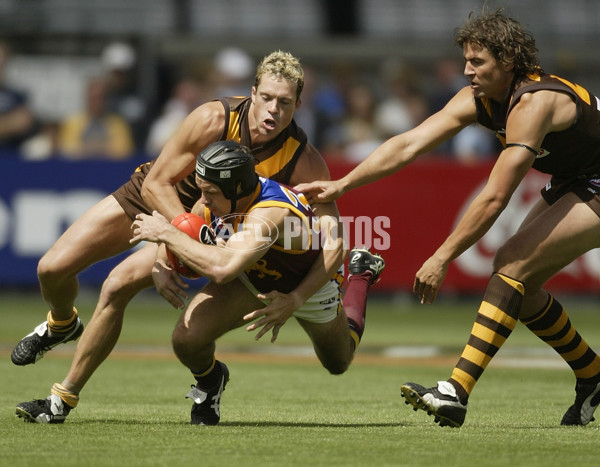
x,y
400,150
311,166
536,115
511,167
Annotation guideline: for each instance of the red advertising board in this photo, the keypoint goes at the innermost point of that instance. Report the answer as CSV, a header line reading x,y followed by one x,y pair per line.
x,y
406,216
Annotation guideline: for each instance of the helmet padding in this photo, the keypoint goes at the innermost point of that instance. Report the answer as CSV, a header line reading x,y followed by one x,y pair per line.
x,y
229,165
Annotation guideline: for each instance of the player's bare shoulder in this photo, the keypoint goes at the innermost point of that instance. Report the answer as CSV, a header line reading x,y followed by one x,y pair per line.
x,y
557,110
203,123
462,105
310,167
202,126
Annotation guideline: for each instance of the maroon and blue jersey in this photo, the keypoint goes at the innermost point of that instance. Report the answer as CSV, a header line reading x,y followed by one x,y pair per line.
x,y
281,268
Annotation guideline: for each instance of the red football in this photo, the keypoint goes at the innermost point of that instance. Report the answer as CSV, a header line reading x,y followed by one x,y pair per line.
x,y
195,227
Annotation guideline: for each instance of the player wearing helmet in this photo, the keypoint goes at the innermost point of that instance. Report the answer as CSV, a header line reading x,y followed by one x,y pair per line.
x,y
264,123
258,255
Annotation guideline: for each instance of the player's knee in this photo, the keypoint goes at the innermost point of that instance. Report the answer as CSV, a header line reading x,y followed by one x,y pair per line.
x,y
119,287
112,290
519,266
182,341
188,345
508,261
337,367
48,269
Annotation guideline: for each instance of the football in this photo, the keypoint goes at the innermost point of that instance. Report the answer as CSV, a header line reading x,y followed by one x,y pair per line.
x,y
198,229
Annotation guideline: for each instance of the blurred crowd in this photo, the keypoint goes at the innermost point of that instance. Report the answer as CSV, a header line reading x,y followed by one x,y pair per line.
x,y
346,112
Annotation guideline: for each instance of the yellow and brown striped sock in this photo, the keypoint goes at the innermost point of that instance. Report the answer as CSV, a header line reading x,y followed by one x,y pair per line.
x,y
64,326
496,318
68,397
553,326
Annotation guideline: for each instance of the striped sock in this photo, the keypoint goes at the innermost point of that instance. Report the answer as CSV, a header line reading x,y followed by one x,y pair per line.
x,y
62,327
68,397
496,318
553,326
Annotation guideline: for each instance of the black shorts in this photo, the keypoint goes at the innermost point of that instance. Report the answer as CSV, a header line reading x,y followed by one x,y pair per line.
x,y
588,190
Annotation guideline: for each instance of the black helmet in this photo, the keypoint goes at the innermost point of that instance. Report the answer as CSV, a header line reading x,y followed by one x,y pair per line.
x,y
230,166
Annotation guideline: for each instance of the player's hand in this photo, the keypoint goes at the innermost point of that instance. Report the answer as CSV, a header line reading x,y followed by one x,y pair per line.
x,y
321,191
169,284
429,278
273,316
148,228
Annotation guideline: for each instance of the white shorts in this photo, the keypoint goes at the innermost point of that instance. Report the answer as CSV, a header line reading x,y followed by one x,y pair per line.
x,y
322,307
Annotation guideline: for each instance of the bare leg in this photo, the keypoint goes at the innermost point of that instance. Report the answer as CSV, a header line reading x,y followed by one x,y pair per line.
x,y
332,342
217,309
102,231
214,311
549,239
127,279
543,246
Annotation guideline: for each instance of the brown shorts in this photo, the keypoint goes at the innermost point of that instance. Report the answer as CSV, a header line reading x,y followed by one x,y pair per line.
x,y
588,190
129,195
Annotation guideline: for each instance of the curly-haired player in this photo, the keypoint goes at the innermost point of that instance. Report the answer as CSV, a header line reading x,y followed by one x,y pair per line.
x,y
544,122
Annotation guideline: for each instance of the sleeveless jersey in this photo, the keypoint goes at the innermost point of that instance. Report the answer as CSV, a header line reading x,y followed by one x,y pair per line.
x,y
281,268
571,153
278,157
275,160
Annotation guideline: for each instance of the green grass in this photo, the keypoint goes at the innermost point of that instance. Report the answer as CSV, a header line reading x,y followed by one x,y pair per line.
x,y
290,411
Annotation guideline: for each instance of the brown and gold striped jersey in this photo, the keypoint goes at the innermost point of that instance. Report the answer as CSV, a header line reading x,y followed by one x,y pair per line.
x,y
275,160
574,152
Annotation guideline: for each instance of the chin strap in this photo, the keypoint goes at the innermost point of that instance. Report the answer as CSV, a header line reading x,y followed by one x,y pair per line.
x,y
233,205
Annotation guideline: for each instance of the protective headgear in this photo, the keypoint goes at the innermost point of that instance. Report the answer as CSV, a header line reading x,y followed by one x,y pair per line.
x,y
229,165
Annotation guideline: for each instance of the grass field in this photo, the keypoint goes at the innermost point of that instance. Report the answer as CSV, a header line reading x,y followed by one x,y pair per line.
x,y
282,408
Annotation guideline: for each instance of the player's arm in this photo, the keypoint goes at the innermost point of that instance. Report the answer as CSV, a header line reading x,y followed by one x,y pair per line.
x,y
400,150
220,265
178,158
311,166
529,121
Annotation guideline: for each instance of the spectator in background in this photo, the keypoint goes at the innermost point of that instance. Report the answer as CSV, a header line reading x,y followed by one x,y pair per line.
x,y
95,132
330,107
449,79
43,144
233,72
473,143
305,116
188,94
404,106
359,136
119,60
17,121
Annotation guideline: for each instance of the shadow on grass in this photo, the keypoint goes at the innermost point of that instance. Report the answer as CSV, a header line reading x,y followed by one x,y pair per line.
x,y
233,424
267,424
